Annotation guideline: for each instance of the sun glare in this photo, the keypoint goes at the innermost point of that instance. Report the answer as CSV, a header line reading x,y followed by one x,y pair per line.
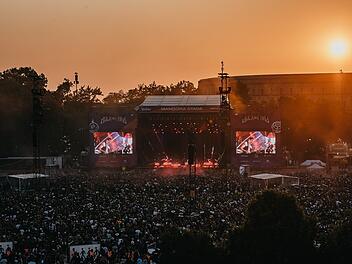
x,y
338,48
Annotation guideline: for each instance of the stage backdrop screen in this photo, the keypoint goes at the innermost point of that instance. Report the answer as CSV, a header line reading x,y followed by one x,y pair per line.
x,y
113,142
260,142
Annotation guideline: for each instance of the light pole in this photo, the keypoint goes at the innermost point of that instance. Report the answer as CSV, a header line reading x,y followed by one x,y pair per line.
x,y
76,81
37,94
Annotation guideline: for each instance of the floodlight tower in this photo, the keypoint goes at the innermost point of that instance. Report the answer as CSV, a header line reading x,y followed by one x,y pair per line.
x,y
225,107
192,169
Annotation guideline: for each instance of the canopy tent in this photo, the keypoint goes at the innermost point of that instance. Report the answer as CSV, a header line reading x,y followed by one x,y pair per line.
x,y
308,163
315,166
25,181
28,176
267,179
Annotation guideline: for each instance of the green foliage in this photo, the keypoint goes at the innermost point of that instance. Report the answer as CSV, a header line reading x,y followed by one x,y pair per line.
x,y
76,105
62,92
137,95
65,113
115,98
275,231
339,245
16,109
187,247
64,123
24,76
84,95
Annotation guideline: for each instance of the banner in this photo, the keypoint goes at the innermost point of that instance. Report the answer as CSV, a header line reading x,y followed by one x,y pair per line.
x,y
5,245
84,251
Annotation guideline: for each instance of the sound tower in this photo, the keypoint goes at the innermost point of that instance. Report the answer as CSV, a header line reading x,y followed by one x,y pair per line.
x,y
192,169
191,154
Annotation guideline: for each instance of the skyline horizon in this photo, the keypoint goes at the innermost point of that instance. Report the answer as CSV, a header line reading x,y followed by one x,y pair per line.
x,y
52,87
119,44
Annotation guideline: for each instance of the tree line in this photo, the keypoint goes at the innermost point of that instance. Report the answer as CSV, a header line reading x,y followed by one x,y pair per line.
x,y
307,126
65,111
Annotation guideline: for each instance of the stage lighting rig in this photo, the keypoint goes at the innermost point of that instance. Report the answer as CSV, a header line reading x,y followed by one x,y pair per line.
x,y
225,109
224,90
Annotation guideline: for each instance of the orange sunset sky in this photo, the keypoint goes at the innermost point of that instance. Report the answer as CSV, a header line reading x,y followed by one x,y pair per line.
x,y
117,44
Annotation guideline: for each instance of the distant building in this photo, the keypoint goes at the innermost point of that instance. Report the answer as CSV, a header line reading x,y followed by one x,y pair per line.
x,y
316,86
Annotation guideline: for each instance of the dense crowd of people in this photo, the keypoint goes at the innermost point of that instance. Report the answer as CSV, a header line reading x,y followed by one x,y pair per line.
x,y
126,213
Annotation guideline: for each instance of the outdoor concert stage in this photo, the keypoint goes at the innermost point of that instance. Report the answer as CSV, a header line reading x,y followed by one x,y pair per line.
x,y
157,133
168,124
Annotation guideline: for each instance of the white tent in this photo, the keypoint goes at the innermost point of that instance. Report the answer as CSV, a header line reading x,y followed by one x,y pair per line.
x,y
308,163
28,176
315,166
267,179
23,181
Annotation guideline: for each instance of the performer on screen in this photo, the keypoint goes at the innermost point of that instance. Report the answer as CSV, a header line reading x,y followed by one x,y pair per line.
x,y
270,143
246,147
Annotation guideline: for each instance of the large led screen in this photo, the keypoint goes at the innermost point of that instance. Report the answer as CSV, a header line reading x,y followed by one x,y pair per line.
x,y
260,142
113,142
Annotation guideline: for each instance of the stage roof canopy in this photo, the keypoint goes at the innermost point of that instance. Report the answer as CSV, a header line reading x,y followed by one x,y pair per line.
x,y
181,100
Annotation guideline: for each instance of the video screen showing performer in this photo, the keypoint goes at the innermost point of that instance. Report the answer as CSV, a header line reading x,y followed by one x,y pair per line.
x,y
260,142
113,142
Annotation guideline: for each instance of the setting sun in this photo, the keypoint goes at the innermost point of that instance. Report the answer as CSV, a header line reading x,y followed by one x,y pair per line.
x,y
338,48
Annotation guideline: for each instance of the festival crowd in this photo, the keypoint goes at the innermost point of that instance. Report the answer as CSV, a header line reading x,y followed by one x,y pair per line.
x,y
126,213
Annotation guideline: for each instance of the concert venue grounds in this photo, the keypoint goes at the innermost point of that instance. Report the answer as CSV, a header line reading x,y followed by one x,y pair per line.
x,y
127,212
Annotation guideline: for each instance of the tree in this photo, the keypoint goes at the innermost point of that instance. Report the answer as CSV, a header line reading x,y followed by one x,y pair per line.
x,y
183,88
62,91
53,118
65,111
275,231
188,247
115,98
16,109
76,109
84,94
136,96
66,118
24,76
339,245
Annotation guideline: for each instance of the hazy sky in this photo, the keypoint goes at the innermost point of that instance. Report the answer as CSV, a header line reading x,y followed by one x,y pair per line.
x,y
116,44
